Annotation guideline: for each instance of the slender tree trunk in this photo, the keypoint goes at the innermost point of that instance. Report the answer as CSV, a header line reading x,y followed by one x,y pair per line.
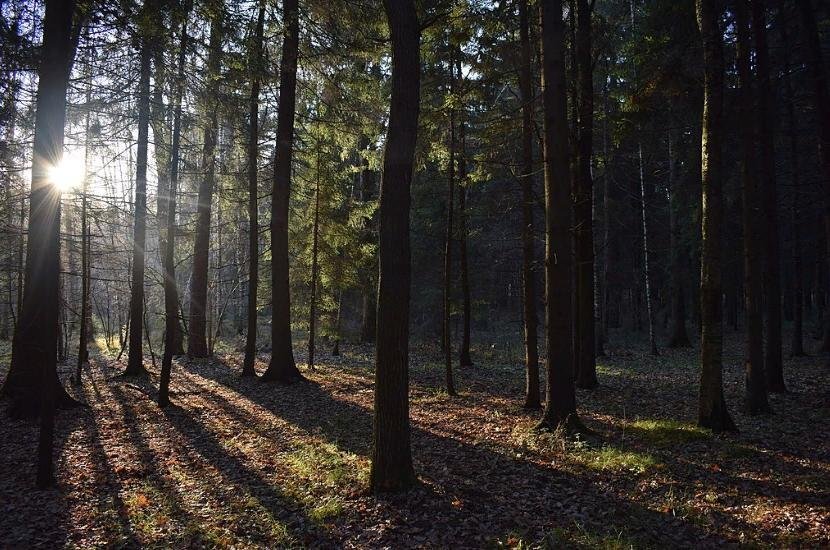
x,y
464,358
756,391
197,345
712,412
532,390
644,212
606,214
253,191
560,406
335,349
312,318
283,367
818,77
797,343
679,337
135,363
171,293
83,333
391,453
768,186
446,339
585,341
369,293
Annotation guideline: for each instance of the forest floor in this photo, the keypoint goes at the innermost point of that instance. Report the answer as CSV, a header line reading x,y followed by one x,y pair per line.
x,y
242,463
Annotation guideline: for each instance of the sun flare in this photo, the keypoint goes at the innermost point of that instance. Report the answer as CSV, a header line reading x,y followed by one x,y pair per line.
x,y
69,172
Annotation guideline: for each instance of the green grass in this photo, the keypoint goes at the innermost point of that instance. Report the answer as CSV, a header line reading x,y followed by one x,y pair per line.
x,y
664,433
612,459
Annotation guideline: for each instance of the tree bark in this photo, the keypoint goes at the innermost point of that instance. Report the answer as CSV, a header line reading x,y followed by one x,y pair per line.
x,y
391,468
312,317
585,341
33,382
464,358
253,192
531,322
679,336
756,391
560,406
447,335
774,363
197,345
135,362
712,406
172,328
283,367
797,342
818,77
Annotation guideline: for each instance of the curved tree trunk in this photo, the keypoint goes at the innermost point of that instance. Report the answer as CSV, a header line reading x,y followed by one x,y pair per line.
x,y
171,293
283,367
712,411
391,453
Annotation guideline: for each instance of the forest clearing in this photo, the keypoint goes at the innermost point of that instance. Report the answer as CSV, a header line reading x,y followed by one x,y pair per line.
x,y
238,463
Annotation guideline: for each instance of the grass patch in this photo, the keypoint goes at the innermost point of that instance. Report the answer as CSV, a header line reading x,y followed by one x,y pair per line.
x,y
579,537
326,465
666,432
612,459
329,509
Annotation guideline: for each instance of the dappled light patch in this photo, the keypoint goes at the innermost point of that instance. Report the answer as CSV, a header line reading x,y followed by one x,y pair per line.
x,y
663,432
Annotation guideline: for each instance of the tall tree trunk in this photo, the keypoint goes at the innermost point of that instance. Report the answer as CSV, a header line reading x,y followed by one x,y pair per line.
x,y
756,391
135,363
172,328
446,337
33,381
391,453
282,367
84,311
712,411
679,337
818,77
315,241
606,216
197,345
644,212
797,342
585,341
560,406
369,291
464,358
768,186
253,191
531,322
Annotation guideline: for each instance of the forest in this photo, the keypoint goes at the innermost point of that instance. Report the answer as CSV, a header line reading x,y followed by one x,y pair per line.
x,y
415,273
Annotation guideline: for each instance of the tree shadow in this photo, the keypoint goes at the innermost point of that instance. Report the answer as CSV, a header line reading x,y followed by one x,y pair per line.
x,y
470,493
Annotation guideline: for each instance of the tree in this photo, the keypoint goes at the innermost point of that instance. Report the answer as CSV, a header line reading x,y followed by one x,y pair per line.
x,y
530,319
135,363
712,407
585,341
756,392
560,406
253,191
197,345
821,97
171,293
773,360
391,469
448,241
464,358
33,380
282,367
